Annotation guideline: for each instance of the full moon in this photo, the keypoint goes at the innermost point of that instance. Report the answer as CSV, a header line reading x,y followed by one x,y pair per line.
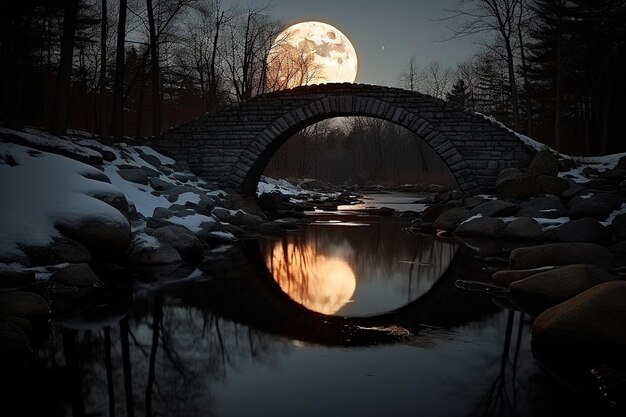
x,y
311,53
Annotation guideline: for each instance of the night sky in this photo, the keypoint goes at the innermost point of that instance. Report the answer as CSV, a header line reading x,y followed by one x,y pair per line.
x,y
404,27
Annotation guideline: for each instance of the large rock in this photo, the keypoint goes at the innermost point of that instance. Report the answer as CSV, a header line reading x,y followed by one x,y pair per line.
x,y
185,242
513,183
222,214
79,276
104,239
160,185
23,304
583,230
547,207
591,321
552,185
450,218
136,175
523,228
619,225
555,254
481,227
598,206
505,277
544,163
116,200
146,250
250,221
494,208
60,250
546,289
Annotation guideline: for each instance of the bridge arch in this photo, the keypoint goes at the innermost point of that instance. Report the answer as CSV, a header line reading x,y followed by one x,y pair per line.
x,y
232,148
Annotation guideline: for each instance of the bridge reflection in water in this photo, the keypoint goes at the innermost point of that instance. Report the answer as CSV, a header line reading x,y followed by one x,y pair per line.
x,y
339,269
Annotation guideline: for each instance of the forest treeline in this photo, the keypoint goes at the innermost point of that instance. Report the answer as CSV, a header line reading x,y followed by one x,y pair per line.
x,y
552,69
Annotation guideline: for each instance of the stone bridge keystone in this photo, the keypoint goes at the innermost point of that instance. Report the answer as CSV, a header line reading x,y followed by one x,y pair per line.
x,y
232,147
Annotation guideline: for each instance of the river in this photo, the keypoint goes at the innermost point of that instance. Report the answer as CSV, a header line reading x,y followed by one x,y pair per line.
x,y
351,315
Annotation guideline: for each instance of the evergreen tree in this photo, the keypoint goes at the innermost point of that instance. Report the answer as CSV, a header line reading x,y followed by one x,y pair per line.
x,y
459,94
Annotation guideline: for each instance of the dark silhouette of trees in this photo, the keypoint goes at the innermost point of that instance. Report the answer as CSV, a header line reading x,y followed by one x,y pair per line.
x,y
117,123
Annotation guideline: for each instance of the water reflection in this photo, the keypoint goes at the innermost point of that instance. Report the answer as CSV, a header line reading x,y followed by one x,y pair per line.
x,y
320,283
356,271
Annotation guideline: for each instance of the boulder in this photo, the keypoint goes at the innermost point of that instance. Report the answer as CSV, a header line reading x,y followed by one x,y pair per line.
x,y
591,321
315,185
548,207
146,250
103,238
513,183
79,276
159,185
23,304
136,175
552,185
556,254
450,218
573,190
494,208
538,292
598,206
544,163
523,228
185,242
221,237
505,277
151,159
481,227
250,221
619,249
60,250
161,213
621,162
583,230
619,225
473,201
15,278
222,214
435,210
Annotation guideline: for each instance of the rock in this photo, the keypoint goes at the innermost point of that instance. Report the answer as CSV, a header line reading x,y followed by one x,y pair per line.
x,y
619,249
473,201
494,208
505,277
161,213
573,190
621,162
151,159
136,175
221,237
538,292
556,254
271,228
513,183
159,185
232,229
523,228
116,200
315,185
103,238
248,220
552,185
146,250
15,278
273,201
435,210
23,304
60,250
548,207
598,206
583,230
79,276
222,214
591,321
185,242
619,225
481,227
544,163
450,218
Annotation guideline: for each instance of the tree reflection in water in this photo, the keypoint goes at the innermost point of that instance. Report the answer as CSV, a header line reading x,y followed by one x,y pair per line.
x,y
356,271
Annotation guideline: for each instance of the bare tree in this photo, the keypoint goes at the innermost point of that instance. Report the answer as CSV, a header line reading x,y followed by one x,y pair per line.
x,y
409,78
70,18
436,79
290,66
499,18
117,122
103,68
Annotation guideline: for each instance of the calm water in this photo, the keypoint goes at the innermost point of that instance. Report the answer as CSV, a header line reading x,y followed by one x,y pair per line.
x,y
346,317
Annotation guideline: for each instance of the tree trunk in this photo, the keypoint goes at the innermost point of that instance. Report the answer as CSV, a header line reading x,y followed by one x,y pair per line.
x,y
59,119
558,93
117,122
513,86
154,72
103,70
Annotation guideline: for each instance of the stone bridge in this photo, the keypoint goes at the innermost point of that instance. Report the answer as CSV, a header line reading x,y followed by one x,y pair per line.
x,y
233,147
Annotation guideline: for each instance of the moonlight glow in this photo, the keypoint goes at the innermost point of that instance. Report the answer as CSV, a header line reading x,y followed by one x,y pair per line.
x,y
311,53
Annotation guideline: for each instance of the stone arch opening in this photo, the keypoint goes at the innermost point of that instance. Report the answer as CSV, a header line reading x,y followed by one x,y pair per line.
x,y
255,157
